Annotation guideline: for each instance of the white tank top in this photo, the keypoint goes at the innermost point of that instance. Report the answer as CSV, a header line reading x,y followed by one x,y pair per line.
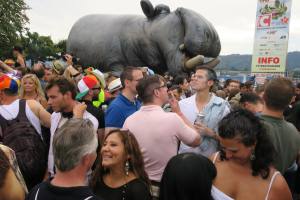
x,y
219,195
11,111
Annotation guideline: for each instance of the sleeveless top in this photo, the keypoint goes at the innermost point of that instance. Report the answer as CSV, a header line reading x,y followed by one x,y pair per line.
x,y
11,111
219,195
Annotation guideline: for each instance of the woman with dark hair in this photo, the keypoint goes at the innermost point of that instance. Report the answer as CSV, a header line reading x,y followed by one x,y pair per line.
x,y
120,173
18,53
187,176
244,164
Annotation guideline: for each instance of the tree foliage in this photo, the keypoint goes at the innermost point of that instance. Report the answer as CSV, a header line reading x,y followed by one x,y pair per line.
x,y
62,45
38,47
14,31
13,21
41,47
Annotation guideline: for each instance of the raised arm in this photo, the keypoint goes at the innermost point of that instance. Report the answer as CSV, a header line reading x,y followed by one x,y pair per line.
x,y
5,67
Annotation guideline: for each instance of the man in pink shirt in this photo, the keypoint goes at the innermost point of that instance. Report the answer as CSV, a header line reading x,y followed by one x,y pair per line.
x,y
158,132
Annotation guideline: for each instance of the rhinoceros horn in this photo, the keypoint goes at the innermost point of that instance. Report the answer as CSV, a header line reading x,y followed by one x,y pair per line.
x,y
211,64
193,62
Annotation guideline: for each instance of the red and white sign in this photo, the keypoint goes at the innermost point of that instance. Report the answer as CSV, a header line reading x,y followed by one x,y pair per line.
x,y
264,21
268,60
271,36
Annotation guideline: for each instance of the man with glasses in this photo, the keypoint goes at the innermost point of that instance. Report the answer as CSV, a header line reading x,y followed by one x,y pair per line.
x,y
158,132
125,104
89,88
211,107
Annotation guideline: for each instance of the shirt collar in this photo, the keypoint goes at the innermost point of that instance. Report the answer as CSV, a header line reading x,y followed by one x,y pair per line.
x,y
126,100
150,108
213,100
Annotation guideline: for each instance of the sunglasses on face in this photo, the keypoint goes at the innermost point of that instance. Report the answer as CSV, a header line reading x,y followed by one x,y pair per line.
x,y
97,88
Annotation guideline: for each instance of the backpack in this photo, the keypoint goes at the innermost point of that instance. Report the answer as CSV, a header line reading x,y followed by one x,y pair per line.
x,y
30,150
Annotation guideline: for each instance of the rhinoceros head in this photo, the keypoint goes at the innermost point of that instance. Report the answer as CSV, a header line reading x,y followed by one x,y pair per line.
x,y
191,34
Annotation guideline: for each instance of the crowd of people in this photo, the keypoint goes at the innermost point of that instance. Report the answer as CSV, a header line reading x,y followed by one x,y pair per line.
x,y
73,132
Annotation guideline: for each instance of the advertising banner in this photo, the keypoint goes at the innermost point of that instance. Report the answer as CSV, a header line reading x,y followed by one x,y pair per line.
x,y
260,78
271,36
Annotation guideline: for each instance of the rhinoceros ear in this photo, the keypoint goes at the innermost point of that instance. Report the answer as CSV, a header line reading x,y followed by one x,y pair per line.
x,y
147,8
161,9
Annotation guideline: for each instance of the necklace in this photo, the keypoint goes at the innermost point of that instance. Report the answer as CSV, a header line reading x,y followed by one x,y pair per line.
x,y
124,191
124,188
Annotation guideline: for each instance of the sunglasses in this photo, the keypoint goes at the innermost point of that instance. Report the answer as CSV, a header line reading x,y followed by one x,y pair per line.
x,y
97,88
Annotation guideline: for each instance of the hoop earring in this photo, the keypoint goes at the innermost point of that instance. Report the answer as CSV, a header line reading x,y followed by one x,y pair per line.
x,y
252,156
127,168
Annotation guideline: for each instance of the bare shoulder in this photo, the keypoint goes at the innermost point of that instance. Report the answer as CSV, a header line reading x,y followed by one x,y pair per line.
x,y
280,189
33,104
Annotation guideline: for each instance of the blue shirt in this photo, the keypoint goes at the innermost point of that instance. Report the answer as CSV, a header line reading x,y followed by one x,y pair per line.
x,y
119,109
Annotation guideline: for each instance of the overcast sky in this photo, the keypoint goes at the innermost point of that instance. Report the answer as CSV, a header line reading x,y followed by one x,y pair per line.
x,y
234,20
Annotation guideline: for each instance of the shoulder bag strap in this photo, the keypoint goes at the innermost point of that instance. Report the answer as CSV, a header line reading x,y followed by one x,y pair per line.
x,y
3,124
22,111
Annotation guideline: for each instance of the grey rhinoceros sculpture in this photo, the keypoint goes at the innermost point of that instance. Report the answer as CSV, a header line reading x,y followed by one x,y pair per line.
x,y
163,41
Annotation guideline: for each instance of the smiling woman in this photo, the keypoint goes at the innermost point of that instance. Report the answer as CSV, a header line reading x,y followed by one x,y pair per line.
x,y
120,174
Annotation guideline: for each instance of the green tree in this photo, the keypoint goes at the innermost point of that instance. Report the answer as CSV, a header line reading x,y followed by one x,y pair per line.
x,y
61,46
13,21
39,47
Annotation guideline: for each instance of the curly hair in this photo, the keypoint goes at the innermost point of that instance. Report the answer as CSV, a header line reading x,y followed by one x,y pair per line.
x,y
246,125
136,161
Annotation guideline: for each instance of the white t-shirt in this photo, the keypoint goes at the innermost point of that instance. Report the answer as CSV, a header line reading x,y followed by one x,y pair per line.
x,y
11,111
56,122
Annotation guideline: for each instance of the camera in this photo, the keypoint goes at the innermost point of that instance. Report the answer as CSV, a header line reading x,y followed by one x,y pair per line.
x,y
74,59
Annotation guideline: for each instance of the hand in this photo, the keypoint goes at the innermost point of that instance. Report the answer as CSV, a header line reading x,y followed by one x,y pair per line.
x,y
201,128
79,109
204,130
198,127
174,103
69,59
